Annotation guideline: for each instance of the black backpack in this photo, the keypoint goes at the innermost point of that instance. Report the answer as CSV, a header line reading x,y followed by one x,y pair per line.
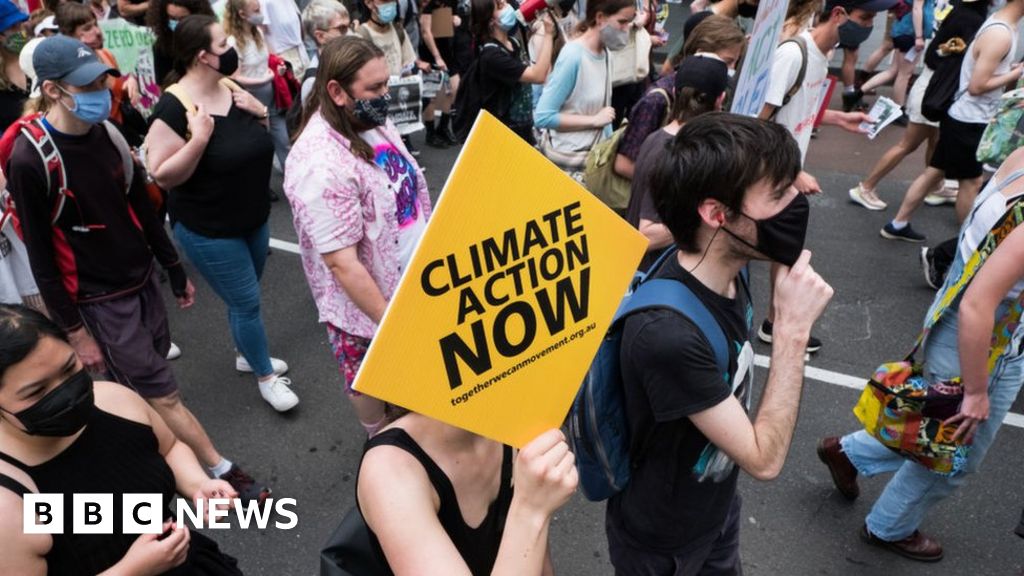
x,y
473,96
942,88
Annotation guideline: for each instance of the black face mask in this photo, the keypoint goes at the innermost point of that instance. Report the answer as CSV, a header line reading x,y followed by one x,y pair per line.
x,y
227,63
747,10
781,237
63,411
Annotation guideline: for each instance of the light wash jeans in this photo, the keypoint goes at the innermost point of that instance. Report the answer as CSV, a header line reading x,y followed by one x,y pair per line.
x,y
233,267
914,489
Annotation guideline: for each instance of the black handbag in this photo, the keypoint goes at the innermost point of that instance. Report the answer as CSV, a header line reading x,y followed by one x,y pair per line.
x,y
352,551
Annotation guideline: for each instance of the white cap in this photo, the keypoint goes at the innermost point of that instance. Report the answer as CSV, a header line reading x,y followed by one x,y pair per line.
x,y
47,23
25,61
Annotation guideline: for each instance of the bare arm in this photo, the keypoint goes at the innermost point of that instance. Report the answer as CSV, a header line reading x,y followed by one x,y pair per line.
x,y
624,166
760,447
126,8
357,282
171,159
917,16
428,38
537,73
991,49
656,233
249,81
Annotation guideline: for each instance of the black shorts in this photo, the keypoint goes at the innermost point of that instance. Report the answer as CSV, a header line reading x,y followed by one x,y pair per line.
x,y
957,148
903,43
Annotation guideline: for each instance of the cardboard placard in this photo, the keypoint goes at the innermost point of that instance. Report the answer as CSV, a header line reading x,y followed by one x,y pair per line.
x,y
442,23
507,296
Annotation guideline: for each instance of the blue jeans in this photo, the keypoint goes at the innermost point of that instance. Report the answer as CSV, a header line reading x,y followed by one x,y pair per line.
x,y
232,267
914,489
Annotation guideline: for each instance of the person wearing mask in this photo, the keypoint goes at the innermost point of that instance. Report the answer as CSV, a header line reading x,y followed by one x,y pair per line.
x,y
963,22
505,74
215,160
14,85
715,36
851,36
62,433
322,20
989,65
360,205
975,339
243,21
78,21
162,18
699,88
690,420
575,108
95,265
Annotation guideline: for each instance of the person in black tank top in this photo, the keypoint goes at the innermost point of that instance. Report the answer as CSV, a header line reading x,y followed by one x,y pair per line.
x,y
61,433
441,499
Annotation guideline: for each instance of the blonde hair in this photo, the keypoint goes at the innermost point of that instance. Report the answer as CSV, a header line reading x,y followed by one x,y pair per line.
x,y
240,28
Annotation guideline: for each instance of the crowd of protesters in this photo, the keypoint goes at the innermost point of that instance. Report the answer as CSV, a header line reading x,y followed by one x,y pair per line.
x,y
102,207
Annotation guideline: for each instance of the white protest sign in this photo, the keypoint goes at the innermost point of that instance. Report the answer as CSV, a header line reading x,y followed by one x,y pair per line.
x,y
752,87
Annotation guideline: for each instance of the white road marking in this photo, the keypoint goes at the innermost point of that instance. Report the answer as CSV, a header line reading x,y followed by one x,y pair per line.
x,y
819,374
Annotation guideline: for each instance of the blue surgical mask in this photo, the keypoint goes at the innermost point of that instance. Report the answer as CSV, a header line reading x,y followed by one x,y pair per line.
x,y
172,24
507,19
387,12
90,107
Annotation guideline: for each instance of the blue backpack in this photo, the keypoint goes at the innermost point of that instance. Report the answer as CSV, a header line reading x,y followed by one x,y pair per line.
x,y
598,430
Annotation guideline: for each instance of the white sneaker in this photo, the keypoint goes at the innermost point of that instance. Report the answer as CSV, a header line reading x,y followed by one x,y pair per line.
x,y
866,198
943,196
174,352
279,366
278,394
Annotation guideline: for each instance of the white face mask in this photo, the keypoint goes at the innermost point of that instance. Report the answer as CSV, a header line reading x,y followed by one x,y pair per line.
x,y
255,19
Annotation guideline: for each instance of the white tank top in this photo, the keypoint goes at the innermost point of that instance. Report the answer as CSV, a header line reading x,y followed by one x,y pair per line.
x,y
979,109
989,208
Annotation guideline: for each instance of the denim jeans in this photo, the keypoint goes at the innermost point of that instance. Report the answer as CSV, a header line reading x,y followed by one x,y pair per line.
x,y
233,267
914,489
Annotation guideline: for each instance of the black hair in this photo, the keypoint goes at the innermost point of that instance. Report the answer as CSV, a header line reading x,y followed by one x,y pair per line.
x,y
481,12
21,329
157,20
718,156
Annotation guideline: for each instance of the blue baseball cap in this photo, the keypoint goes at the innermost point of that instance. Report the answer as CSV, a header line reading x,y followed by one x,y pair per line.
x,y
10,15
68,60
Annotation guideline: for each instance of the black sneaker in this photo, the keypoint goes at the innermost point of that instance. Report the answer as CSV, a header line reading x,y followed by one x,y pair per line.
x,y
1019,530
248,489
932,276
764,333
907,234
851,99
434,138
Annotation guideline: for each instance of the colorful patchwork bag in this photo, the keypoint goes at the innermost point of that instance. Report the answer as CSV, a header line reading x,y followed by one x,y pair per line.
x,y
1005,131
904,411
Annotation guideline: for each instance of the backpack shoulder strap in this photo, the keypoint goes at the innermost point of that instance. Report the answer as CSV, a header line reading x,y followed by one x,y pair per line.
x,y
799,82
53,163
124,150
668,105
676,296
230,84
178,92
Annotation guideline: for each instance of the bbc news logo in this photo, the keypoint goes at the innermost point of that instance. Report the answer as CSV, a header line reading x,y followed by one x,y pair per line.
x,y
144,514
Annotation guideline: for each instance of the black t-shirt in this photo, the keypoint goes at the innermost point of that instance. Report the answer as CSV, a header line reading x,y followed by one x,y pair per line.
x,y
12,103
681,486
228,194
502,93
640,203
963,22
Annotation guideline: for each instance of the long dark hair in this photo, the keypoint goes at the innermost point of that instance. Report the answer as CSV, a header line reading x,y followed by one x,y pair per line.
x,y
191,37
480,14
341,60
21,329
156,19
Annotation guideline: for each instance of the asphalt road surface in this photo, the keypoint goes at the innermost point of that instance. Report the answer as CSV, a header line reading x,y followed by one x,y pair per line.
x,y
796,525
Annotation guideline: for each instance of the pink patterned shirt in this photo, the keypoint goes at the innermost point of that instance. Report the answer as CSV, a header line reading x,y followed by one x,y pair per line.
x,y
340,200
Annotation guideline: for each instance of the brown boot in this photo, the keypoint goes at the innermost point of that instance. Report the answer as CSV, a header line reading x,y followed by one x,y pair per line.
x,y
844,474
917,546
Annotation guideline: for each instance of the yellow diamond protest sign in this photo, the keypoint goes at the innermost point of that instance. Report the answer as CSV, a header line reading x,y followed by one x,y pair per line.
x,y
507,296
